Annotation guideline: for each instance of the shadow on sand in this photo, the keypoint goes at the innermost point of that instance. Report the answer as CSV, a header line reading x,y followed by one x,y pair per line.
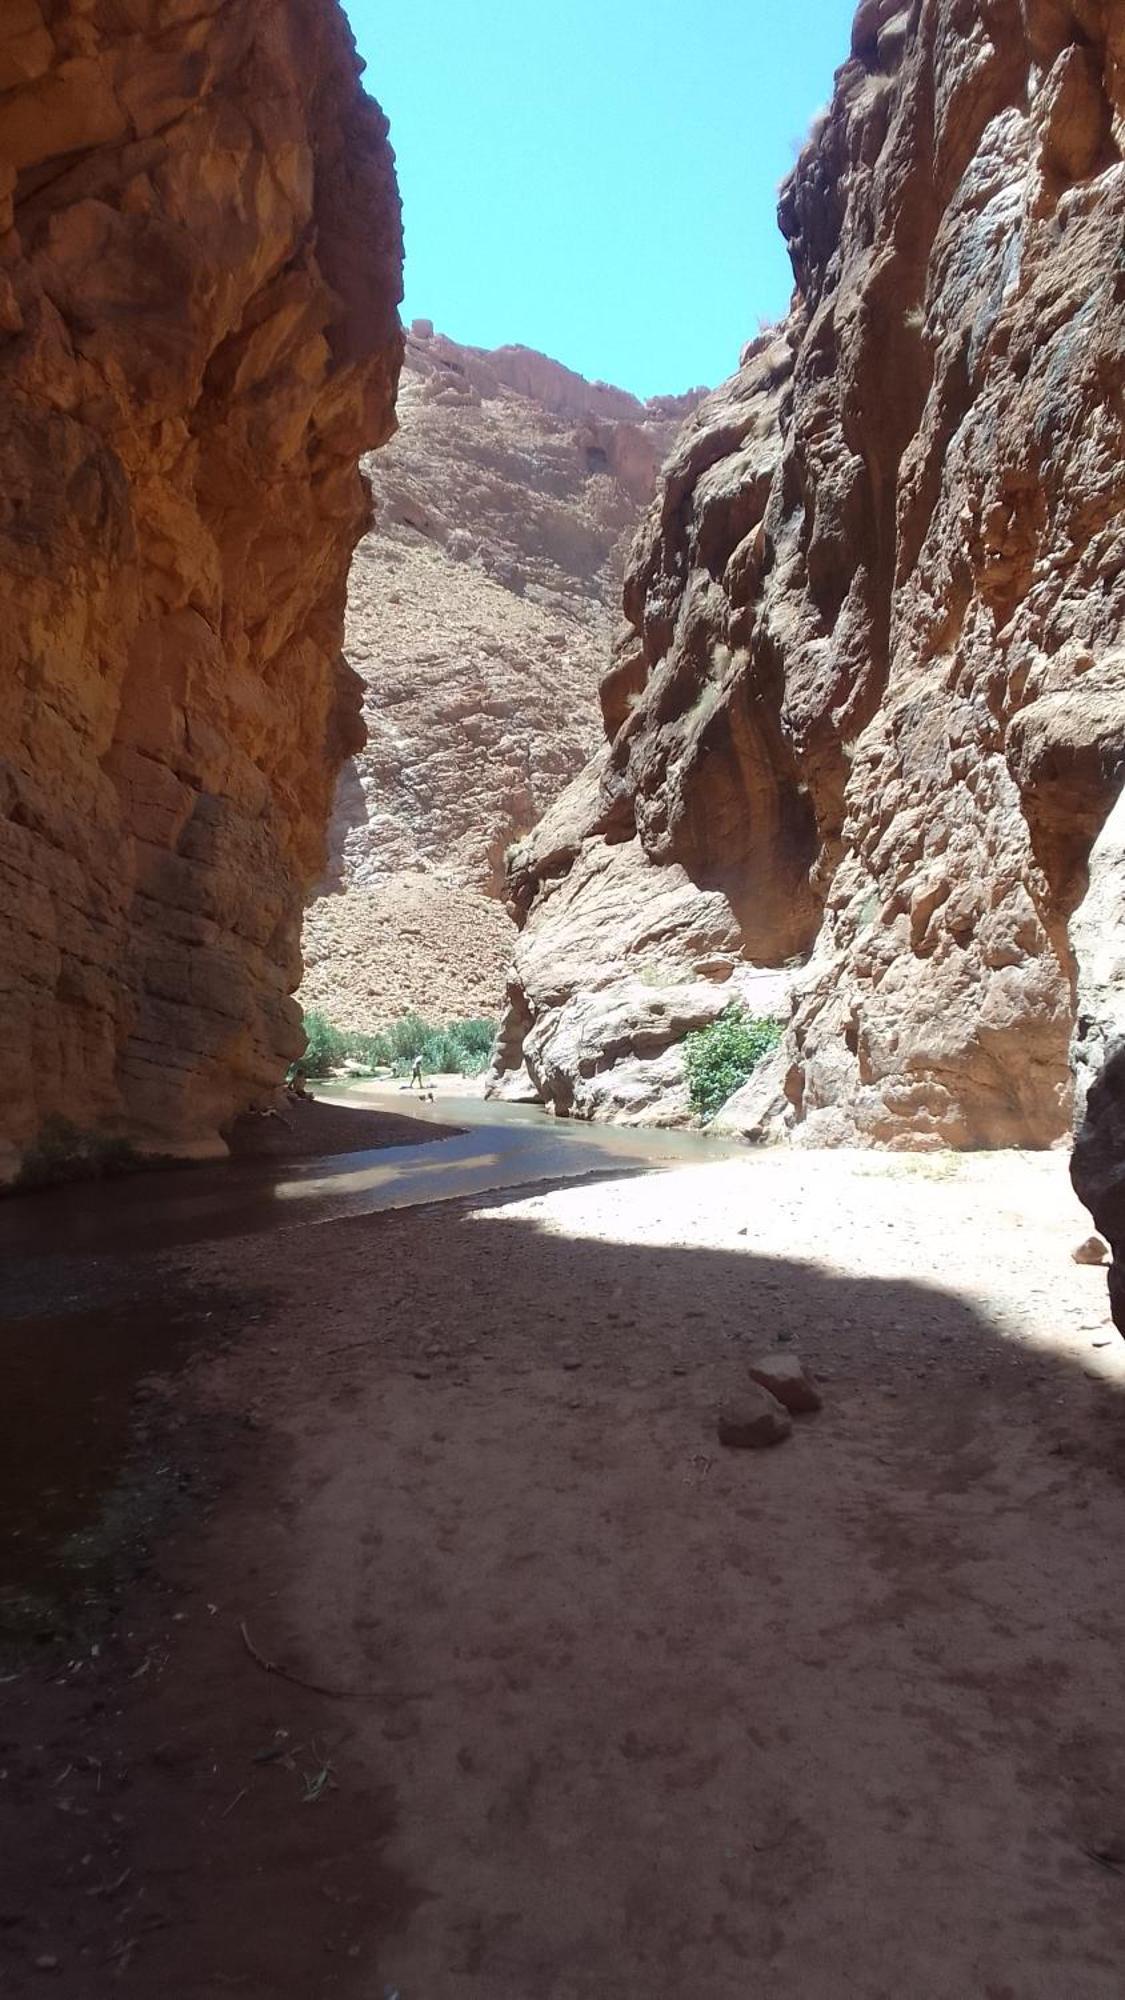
x,y
634,1714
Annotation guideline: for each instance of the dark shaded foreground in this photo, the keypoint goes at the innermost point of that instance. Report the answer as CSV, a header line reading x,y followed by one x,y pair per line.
x,y
311,1128
615,1713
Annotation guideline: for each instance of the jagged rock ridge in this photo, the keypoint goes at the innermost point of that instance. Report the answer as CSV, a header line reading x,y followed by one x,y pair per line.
x,y
870,711
200,261
482,607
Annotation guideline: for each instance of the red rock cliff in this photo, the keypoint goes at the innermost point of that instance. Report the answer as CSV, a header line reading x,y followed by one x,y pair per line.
x,y
869,712
200,264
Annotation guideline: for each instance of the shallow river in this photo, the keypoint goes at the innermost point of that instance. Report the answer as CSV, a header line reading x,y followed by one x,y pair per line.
x,y
503,1146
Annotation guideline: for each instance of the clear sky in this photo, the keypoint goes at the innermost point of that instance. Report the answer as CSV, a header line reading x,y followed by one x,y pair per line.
x,y
598,178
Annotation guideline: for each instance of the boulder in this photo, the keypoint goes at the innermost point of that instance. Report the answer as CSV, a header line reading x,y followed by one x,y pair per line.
x,y
786,1378
1091,1251
617,965
750,1419
1097,936
1098,1167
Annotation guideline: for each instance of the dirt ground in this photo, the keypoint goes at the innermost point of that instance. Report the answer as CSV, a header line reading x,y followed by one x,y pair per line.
x,y
585,1707
314,1127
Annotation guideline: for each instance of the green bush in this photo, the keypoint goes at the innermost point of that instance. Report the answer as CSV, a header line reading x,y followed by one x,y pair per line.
x,y
476,1037
471,1045
328,1048
373,1051
408,1039
324,1047
719,1059
441,1052
471,1062
460,1048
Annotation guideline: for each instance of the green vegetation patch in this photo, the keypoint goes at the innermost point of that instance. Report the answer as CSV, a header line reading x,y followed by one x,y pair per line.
x,y
461,1048
721,1058
328,1048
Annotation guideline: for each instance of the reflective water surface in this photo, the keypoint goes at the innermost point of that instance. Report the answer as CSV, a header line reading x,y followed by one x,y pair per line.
x,y
502,1146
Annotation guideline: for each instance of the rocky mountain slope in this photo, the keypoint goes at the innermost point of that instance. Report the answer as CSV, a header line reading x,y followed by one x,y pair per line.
x,y
869,713
482,607
199,269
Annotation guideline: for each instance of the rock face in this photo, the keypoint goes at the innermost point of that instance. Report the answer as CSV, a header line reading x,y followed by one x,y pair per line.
x,y
200,264
413,944
482,607
618,964
1097,934
869,712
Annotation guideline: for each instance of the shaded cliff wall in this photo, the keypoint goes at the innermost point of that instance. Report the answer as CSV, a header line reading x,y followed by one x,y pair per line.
x,y
1098,939
872,690
200,263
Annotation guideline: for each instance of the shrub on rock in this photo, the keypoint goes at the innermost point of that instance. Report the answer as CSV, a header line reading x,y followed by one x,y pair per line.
x,y
719,1059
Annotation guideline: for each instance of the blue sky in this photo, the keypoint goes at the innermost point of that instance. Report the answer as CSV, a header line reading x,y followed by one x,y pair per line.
x,y
598,178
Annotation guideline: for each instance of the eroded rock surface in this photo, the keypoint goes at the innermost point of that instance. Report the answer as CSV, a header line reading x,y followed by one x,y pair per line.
x,y
1097,934
412,944
620,961
872,693
200,264
482,608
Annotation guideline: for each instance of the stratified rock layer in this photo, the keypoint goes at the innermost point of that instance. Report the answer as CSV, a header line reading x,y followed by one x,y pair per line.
x,y
199,270
481,611
873,690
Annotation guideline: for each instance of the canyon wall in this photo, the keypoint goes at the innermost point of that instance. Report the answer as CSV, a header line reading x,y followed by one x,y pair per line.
x,y
200,264
868,716
1097,934
481,610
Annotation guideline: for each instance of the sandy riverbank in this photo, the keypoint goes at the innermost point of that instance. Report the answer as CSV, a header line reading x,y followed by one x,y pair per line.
x,y
609,1710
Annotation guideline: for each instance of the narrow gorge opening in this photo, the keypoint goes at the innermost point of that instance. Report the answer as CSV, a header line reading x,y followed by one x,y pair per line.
x,y
572,1444
482,609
